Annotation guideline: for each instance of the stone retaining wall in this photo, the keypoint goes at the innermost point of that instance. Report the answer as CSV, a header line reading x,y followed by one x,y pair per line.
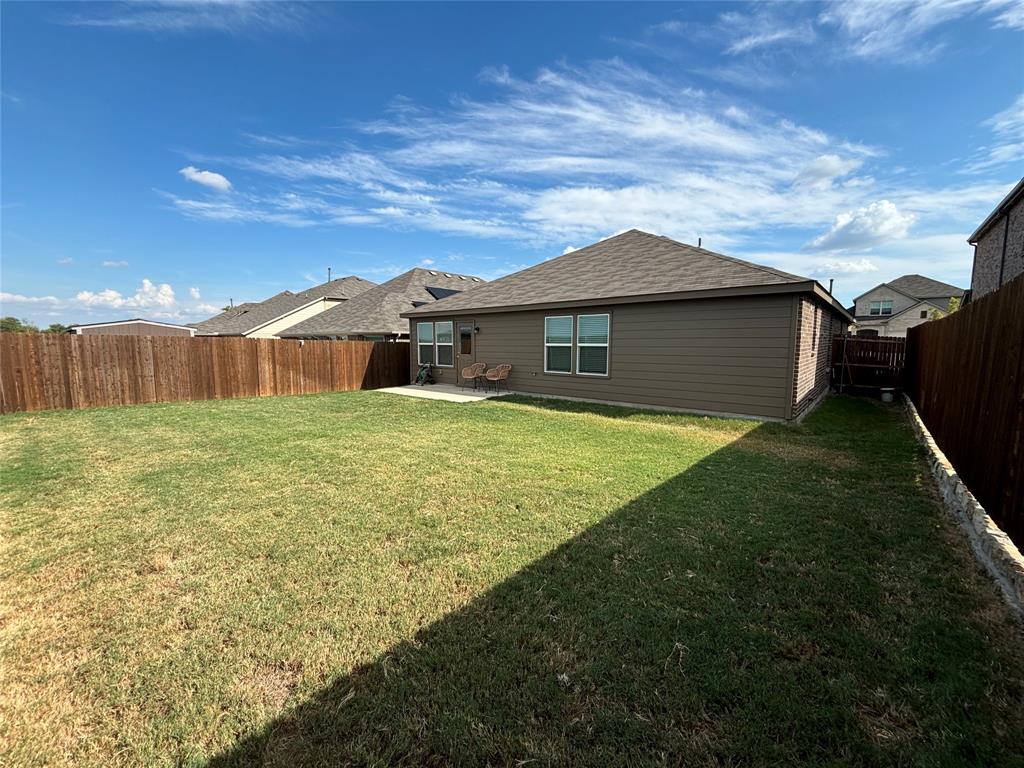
x,y
991,546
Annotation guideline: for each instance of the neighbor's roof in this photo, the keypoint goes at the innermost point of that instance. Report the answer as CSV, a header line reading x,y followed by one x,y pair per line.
x,y
921,287
633,264
1007,202
379,310
245,317
131,320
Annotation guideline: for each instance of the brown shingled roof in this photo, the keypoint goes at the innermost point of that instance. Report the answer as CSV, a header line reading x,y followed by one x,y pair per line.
x,y
634,263
379,310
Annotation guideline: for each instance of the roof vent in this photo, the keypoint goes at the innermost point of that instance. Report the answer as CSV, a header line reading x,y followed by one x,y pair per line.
x,y
447,275
462,277
432,272
476,279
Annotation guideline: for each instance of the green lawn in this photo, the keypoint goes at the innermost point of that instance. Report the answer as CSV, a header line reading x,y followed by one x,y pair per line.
x,y
362,578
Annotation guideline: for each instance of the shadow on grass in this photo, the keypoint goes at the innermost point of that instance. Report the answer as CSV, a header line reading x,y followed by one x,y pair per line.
x,y
744,612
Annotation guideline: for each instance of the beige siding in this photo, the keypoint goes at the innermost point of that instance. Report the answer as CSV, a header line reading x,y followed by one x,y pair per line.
x,y
812,354
899,325
721,355
270,330
133,329
900,302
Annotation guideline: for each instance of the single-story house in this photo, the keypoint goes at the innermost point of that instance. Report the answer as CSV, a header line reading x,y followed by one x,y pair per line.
x,y
376,315
892,308
135,326
640,319
264,319
999,245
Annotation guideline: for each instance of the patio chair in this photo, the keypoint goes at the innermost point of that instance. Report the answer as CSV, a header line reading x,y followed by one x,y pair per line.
x,y
498,375
474,373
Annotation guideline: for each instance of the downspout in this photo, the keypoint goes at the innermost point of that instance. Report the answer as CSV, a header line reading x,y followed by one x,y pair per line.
x,y
1002,258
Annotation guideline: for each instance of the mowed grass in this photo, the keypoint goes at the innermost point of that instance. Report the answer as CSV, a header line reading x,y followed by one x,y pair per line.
x,y
367,579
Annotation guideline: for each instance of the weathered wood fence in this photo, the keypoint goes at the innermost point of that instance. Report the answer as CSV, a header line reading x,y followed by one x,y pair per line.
x,y
42,371
966,377
868,361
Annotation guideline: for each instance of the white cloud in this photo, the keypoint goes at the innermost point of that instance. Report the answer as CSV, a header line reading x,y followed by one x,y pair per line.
x,y
569,249
115,264
853,267
194,293
206,178
426,262
896,30
758,30
176,16
1007,129
872,225
65,261
825,169
147,295
17,298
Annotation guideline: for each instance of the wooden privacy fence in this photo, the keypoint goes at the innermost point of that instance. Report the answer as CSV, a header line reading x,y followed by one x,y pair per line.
x,y
966,377
868,361
42,371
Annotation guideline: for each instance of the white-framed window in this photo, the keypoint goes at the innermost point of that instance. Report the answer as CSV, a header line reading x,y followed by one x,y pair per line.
x,y
424,343
444,341
592,337
881,307
558,344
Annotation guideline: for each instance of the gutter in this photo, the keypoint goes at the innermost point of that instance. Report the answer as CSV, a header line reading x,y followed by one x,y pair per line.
x,y
437,309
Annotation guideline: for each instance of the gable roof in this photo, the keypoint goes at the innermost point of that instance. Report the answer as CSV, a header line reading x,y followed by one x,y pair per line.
x,y
161,323
243,318
883,319
920,287
379,310
632,264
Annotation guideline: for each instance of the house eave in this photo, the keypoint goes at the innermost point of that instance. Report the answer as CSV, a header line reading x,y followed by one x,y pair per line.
x,y
810,286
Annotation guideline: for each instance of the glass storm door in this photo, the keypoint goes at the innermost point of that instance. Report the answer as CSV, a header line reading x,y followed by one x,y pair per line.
x,y
467,345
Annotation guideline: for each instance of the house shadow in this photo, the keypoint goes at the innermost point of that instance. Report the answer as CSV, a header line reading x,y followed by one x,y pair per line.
x,y
732,615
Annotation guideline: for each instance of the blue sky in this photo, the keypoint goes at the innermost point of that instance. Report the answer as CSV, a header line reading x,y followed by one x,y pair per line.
x,y
159,159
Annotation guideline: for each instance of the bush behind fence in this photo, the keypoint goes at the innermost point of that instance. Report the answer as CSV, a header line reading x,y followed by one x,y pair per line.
x,y
42,371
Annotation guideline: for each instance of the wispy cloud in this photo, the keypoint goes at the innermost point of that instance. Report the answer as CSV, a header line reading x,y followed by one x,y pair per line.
x,y
114,264
748,32
209,179
573,153
184,16
1007,131
898,30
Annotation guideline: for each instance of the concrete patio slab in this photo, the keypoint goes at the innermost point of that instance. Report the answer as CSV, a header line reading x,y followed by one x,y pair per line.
x,y
446,392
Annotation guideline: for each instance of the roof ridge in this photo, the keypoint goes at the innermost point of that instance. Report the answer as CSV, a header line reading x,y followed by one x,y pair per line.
x,y
733,259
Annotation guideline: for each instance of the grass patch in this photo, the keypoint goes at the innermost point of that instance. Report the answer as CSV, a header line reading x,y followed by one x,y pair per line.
x,y
361,578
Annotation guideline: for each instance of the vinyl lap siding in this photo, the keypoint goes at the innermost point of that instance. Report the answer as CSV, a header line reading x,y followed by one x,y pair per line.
x,y
814,331
722,355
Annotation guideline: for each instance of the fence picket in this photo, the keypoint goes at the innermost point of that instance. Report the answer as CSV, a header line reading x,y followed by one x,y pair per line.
x,y
47,371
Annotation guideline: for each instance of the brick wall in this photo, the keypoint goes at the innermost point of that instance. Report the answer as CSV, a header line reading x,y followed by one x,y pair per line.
x,y
999,252
815,326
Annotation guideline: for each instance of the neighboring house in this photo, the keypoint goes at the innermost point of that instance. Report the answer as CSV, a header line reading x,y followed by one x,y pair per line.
x,y
376,315
890,309
136,326
640,319
265,319
999,245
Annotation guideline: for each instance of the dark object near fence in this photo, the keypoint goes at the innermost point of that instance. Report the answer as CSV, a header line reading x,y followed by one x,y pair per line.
x,y
868,361
425,375
42,371
966,377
